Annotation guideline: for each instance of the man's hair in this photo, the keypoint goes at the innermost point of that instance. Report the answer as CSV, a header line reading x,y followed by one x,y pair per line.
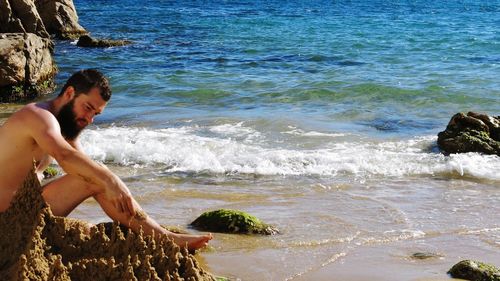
x,y
84,80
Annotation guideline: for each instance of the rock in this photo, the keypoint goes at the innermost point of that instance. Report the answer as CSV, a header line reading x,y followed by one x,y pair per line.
x,y
471,133
50,172
232,221
475,271
87,41
27,69
21,16
60,18
425,255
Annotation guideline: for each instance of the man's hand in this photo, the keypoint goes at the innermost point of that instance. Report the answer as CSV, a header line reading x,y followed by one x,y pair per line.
x,y
121,198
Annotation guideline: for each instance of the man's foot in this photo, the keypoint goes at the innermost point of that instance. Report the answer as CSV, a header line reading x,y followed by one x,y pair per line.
x,y
193,242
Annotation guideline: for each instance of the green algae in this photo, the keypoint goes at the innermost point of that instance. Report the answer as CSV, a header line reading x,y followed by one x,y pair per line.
x,y
475,271
50,172
232,221
24,91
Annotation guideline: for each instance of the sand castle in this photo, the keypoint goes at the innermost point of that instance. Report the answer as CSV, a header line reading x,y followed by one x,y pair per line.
x,y
36,245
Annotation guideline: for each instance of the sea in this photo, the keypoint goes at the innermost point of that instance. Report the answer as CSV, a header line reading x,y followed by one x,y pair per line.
x,y
318,117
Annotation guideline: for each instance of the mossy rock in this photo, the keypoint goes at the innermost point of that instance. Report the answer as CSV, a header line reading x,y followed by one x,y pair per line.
x,y
471,132
232,221
425,255
25,92
475,271
87,41
50,172
70,35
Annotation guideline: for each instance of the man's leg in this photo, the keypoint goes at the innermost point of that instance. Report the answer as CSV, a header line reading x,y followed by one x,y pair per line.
x,y
67,192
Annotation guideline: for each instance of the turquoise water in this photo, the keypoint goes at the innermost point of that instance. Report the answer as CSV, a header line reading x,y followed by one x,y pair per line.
x,y
397,67
319,117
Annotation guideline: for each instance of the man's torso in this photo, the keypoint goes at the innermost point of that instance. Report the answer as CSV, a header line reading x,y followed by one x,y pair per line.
x,y
18,150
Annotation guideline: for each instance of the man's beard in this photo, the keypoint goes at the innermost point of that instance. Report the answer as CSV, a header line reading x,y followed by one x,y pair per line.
x,y
68,122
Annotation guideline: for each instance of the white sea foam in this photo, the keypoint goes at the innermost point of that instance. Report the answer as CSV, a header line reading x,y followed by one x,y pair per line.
x,y
238,149
300,132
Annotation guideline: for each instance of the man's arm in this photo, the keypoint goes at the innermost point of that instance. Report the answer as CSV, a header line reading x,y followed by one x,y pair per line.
x,y
43,127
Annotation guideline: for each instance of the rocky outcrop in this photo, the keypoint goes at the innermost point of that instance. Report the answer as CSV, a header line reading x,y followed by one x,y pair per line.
x,y
60,18
475,271
41,17
473,132
21,16
87,41
232,221
27,69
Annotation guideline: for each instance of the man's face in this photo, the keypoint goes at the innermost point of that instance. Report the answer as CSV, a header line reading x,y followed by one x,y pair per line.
x,y
79,112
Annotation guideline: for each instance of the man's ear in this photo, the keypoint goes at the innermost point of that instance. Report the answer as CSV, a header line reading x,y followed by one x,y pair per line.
x,y
69,93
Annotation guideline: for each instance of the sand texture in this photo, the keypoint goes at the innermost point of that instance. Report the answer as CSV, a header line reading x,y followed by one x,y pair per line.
x,y
36,245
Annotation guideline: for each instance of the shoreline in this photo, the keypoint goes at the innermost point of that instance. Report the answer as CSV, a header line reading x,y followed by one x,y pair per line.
x,y
340,240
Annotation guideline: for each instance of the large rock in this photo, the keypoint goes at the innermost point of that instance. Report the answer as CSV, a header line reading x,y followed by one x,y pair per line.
x,y
60,18
475,271
473,132
21,16
232,221
27,69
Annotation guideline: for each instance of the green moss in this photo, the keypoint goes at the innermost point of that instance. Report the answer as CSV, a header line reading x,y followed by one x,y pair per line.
x,y
21,92
12,93
232,221
71,35
50,172
475,271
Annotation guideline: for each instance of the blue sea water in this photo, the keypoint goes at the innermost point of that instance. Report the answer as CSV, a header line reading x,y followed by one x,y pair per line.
x,y
289,70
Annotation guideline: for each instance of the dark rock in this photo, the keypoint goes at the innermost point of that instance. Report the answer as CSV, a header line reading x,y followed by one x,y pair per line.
x,y
473,132
27,69
60,18
232,221
475,271
425,255
87,41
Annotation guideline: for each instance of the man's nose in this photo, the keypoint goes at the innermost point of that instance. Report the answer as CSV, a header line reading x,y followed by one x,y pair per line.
x,y
90,118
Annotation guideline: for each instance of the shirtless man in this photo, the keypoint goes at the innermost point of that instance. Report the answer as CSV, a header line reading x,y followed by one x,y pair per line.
x,y
49,130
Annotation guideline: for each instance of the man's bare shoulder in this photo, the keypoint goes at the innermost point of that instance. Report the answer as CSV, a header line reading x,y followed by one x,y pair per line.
x,y
34,114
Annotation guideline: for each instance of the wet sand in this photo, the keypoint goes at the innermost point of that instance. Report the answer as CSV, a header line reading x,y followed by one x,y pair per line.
x,y
36,245
331,230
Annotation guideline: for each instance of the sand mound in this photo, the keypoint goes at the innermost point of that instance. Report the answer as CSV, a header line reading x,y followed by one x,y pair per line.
x,y
36,245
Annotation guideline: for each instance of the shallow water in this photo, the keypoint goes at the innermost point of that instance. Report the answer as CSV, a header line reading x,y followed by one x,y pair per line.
x,y
331,228
319,118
